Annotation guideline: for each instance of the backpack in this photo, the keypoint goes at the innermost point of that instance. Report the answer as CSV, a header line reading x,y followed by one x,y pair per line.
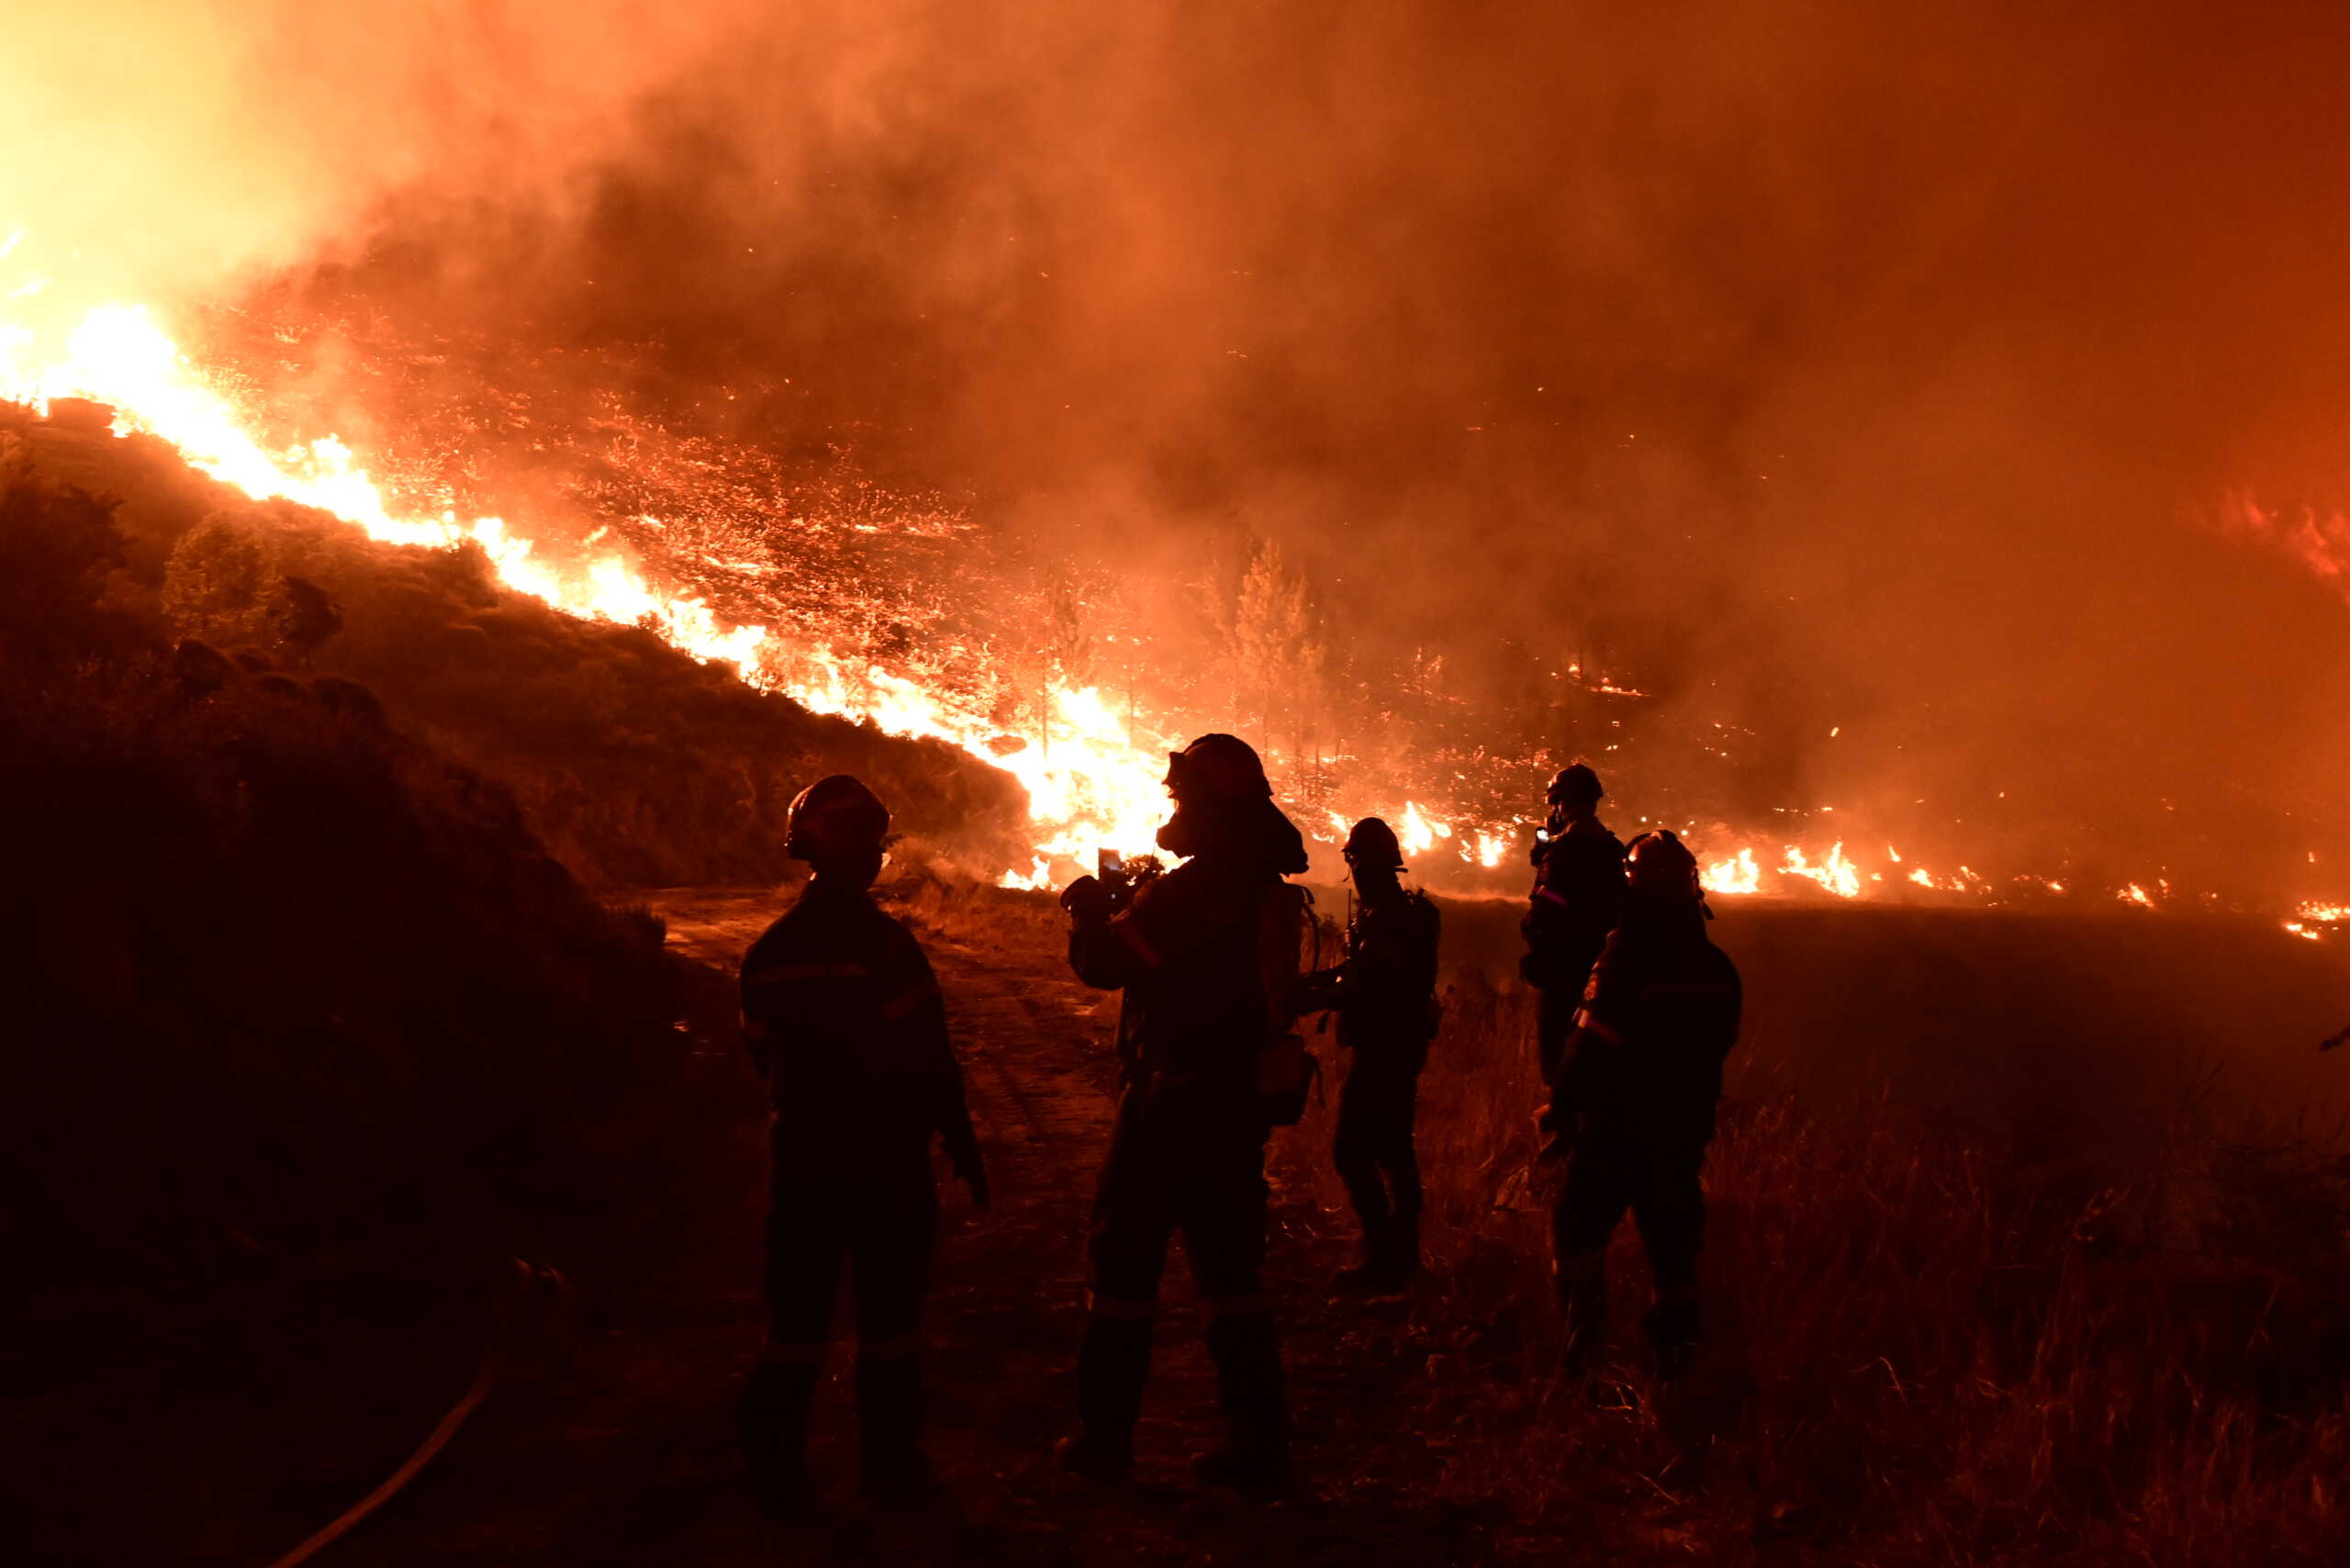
x,y
1285,1068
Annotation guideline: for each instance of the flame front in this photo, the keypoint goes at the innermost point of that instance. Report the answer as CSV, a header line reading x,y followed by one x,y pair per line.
x,y
1092,777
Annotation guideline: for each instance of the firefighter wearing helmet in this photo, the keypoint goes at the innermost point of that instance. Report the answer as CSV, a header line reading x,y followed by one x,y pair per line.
x,y
1633,1097
846,1023
1195,952
1384,995
1578,883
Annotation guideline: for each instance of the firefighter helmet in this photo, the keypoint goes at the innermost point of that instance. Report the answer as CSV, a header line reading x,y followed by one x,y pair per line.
x,y
1658,865
1372,845
1575,784
1217,767
836,815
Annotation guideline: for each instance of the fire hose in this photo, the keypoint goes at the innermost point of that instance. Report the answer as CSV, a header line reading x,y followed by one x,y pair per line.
x,y
519,1280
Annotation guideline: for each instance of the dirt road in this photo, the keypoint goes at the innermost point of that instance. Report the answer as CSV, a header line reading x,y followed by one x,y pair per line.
x,y
626,1457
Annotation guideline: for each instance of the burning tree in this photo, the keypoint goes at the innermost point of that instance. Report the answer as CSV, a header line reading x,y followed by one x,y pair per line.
x,y
1280,663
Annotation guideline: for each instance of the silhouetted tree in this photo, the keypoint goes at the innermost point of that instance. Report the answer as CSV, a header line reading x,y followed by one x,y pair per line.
x,y
220,586
1278,656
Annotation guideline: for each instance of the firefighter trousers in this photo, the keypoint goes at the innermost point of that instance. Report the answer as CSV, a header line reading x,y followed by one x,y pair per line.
x,y
1373,1148
822,1221
1655,1175
1199,1172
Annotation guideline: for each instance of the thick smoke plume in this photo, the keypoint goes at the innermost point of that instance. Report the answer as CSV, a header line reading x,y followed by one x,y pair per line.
x,y
1887,370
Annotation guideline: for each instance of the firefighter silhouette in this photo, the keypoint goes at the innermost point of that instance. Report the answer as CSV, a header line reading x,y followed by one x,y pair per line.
x,y
1198,953
1633,1098
844,1020
1384,995
1578,883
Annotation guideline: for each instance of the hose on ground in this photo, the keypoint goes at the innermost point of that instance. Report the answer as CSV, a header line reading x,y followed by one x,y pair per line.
x,y
515,1281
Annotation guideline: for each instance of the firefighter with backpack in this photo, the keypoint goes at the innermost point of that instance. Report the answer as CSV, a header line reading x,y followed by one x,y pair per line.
x,y
1633,1096
1384,995
1206,956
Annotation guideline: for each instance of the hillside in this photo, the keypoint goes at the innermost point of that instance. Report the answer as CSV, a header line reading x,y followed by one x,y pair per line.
x,y
634,764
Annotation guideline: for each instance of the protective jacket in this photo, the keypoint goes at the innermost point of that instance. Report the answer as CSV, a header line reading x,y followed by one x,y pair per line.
x,y
1188,1151
1186,954
844,1020
1658,1017
1578,888
1384,992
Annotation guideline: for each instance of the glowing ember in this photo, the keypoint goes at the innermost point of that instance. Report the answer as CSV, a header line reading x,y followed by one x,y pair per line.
x,y
2316,921
2134,895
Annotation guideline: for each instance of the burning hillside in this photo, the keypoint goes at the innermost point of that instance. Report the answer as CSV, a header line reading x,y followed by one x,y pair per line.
x,y
972,392
903,613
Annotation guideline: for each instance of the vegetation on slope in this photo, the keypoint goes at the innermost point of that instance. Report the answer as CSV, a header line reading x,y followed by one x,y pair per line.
x,y
634,764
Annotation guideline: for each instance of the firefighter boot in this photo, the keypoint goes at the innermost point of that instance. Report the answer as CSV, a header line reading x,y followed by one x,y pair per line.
x,y
1111,1366
1672,1324
1391,1257
888,1408
772,1423
1253,1457
1374,1274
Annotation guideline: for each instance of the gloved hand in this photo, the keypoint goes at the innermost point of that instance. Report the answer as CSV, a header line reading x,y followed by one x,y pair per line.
x,y
1087,900
1317,993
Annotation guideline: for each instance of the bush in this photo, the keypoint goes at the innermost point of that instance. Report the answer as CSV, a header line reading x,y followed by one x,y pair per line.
x,y
220,586
275,972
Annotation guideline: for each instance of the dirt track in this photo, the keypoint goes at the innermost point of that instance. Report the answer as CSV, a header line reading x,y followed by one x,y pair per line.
x,y
627,1457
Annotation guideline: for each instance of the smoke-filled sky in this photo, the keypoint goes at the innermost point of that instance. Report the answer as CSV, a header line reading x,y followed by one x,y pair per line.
x,y
1876,364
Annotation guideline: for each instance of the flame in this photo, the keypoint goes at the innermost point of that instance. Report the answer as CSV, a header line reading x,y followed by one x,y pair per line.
x,y
1836,873
1093,775
2313,915
1087,783
1741,873
1417,831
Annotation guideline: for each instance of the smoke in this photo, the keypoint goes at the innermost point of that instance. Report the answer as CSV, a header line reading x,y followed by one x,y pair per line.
x,y
1829,365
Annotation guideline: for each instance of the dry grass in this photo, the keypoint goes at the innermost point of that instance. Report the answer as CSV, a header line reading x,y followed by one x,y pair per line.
x,y
1923,1348
2008,1330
